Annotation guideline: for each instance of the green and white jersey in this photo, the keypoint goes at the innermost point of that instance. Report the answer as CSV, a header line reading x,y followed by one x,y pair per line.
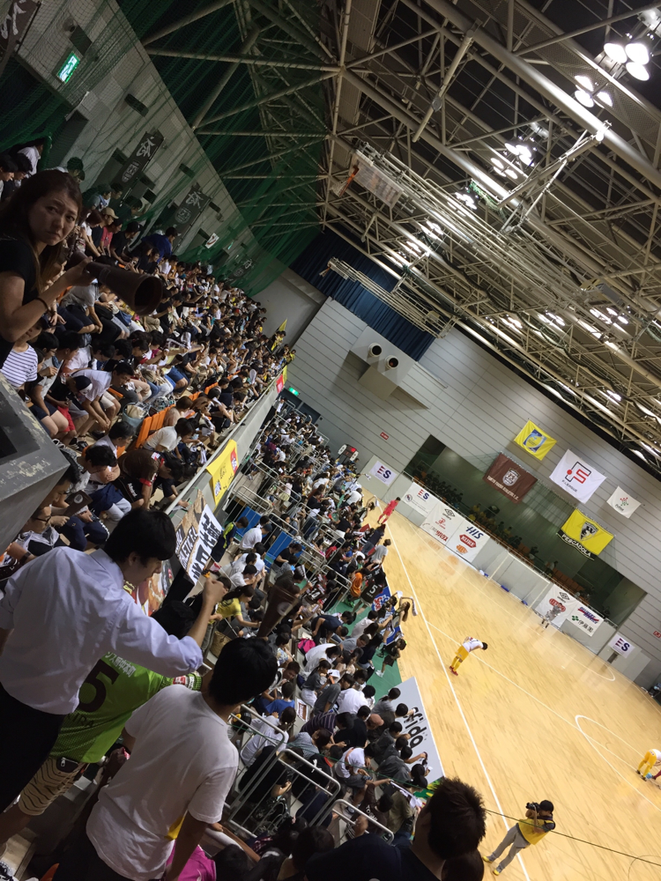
x,y
108,697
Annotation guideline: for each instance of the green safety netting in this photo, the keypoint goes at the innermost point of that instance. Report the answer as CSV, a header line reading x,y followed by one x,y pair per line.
x,y
261,124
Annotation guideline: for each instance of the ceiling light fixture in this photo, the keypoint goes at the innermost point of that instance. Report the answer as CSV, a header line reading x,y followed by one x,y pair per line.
x,y
605,98
584,98
638,52
585,81
616,52
637,71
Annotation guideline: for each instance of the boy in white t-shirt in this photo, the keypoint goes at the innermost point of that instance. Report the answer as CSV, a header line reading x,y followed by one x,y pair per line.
x,y
181,769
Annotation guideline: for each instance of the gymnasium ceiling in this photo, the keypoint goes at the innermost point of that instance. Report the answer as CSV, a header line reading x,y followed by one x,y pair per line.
x,y
551,256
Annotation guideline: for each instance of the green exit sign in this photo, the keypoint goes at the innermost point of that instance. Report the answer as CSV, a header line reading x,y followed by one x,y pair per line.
x,y
293,391
71,62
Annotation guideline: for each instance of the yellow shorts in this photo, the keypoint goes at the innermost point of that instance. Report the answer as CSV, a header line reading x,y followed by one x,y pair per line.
x,y
462,653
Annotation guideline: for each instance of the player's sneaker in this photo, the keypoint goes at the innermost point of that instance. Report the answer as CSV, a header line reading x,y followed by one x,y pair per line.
x,y
497,871
379,672
487,859
452,670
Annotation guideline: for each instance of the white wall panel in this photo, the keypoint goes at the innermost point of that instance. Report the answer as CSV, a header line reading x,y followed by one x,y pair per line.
x,y
483,406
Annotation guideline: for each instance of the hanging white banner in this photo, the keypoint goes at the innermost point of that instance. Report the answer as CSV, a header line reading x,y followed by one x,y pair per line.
x,y
576,477
623,503
420,498
383,473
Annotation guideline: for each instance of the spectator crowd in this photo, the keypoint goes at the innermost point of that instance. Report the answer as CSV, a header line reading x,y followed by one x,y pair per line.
x,y
274,655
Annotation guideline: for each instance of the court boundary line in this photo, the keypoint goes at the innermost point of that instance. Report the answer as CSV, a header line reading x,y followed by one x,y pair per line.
x,y
454,694
573,725
435,547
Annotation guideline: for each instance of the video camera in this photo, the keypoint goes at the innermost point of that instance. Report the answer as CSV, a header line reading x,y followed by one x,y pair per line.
x,y
532,806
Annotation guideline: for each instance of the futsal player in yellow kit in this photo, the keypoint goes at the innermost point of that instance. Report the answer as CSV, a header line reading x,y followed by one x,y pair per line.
x,y
651,761
468,645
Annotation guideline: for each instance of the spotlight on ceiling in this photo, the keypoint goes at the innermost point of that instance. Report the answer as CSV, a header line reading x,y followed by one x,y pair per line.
x,y
584,81
638,52
616,52
584,98
637,71
605,98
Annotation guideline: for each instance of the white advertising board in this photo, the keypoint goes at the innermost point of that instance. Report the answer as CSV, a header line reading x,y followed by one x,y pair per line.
x,y
584,618
556,598
441,522
467,540
417,726
420,498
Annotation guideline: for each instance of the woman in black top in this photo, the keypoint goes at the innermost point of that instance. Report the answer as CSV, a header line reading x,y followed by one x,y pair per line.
x,y
33,224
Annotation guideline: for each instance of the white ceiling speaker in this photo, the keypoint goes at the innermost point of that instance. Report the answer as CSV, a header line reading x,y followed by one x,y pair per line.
x,y
375,350
391,363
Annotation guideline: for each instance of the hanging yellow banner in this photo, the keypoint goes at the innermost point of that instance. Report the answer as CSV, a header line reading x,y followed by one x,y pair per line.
x,y
534,440
580,530
222,470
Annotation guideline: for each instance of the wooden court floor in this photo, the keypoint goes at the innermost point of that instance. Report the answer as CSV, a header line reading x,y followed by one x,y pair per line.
x,y
537,716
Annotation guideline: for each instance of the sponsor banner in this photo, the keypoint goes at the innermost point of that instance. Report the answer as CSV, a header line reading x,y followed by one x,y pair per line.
x,y
621,645
584,534
222,470
557,604
509,478
420,498
383,473
623,503
139,159
585,618
534,440
576,477
467,540
417,727
280,383
441,522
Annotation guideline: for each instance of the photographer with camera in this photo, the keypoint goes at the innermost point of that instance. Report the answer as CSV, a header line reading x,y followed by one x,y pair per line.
x,y
537,824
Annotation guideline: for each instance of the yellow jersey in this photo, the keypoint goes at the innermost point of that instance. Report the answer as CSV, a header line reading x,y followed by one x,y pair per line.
x,y
534,834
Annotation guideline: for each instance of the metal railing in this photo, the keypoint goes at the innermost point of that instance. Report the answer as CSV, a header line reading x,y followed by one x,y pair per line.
x,y
253,812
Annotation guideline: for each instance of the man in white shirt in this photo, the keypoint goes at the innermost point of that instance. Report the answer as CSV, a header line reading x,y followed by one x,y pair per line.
x,y
97,404
254,535
165,439
380,553
60,614
350,701
182,764
328,650
362,626
354,496
268,733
